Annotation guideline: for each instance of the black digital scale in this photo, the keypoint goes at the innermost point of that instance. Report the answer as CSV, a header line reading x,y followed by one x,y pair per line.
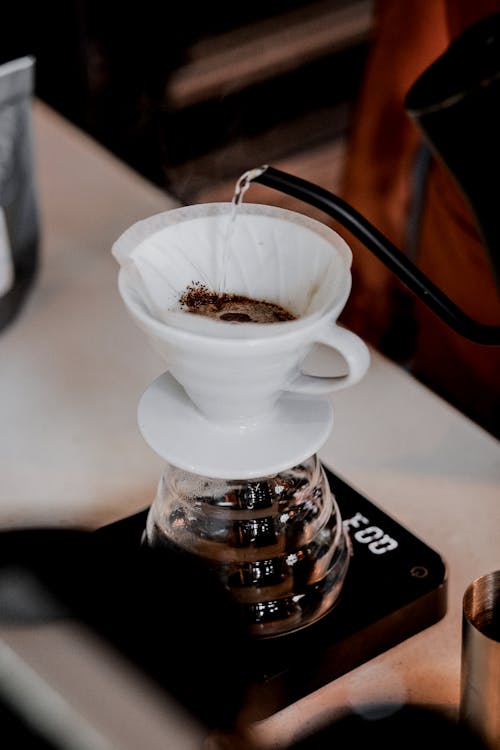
x,y
395,587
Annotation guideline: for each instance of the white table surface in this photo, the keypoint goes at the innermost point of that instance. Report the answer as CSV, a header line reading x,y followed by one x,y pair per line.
x,y
73,367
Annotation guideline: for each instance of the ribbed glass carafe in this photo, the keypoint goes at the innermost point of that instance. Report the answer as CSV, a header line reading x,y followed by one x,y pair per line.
x,y
277,542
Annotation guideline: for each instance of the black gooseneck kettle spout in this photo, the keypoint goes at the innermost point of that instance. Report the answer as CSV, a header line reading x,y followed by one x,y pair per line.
x,y
385,250
456,104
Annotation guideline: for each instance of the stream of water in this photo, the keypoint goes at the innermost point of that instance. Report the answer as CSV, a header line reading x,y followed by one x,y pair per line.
x,y
242,185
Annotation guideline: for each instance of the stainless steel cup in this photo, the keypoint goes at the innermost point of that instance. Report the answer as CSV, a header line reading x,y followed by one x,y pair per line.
x,y
480,668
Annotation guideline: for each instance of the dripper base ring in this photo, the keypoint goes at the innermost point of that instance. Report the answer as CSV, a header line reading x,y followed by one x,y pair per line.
x,y
173,427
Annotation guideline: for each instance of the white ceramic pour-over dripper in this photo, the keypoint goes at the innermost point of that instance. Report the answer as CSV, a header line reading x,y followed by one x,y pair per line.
x,y
234,373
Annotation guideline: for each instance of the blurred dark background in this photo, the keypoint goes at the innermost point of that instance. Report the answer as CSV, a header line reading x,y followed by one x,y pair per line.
x,y
192,94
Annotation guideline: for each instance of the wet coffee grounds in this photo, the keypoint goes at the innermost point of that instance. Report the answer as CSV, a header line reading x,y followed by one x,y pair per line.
x,y
233,308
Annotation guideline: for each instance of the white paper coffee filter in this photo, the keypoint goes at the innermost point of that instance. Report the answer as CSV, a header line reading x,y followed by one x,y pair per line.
x,y
271,254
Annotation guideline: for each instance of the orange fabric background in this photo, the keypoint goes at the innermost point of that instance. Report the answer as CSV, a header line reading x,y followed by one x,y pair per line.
x,y
409,36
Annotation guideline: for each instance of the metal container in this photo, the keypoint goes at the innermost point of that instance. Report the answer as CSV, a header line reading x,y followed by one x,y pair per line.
x,y
480,674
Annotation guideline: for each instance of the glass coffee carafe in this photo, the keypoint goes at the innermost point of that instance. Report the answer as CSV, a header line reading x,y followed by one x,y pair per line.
x,y
276,542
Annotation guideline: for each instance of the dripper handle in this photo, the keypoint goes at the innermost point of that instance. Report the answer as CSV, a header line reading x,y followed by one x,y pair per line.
x,y
353,350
